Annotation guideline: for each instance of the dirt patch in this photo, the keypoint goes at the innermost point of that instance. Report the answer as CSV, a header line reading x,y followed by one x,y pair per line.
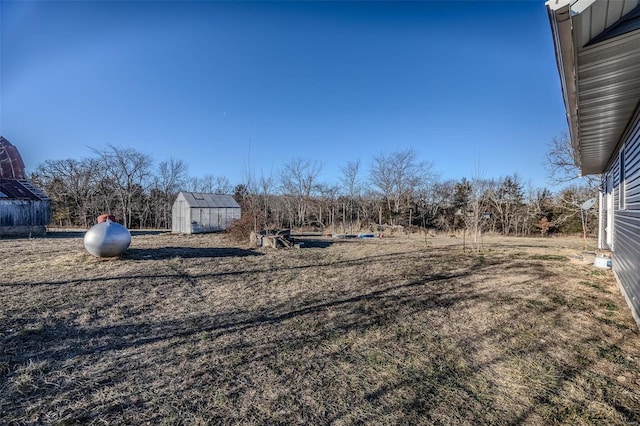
x,y
195,330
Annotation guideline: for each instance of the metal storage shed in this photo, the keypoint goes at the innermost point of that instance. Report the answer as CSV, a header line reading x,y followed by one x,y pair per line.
x,y
195,212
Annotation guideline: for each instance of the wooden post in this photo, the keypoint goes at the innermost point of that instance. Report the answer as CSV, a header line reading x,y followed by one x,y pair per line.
x,y
344,218
333,218
464,237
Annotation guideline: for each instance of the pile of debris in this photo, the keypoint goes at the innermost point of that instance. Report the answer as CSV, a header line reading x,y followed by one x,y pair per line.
x,y
274,238
600,258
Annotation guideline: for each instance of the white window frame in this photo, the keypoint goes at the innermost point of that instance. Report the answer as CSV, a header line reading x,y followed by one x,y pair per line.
x,y
610,203
622,180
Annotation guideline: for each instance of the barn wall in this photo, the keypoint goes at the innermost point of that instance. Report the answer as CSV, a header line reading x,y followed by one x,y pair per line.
x,y
626,218
24,216
22,231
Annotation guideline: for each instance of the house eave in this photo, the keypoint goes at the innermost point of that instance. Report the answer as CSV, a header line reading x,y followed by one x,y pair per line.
x,y
560,20
599,66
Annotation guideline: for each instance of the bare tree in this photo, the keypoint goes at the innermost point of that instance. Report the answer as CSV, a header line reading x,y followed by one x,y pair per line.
x,y
505,197
194,184
351,184
129,170
397,175
266,184
299,178
568,207
562,165
327,205
171,177
222,185
71,186
436,197
210,184
477,206
539,208
350,178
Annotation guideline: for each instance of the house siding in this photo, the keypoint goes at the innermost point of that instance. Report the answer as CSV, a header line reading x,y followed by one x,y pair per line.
x,y
626,221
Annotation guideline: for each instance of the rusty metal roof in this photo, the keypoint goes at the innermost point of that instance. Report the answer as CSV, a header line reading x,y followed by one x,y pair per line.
x,y
597,45
20,189
11,165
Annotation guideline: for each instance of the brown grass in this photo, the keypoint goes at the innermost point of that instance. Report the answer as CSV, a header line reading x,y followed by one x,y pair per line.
x,y
192,330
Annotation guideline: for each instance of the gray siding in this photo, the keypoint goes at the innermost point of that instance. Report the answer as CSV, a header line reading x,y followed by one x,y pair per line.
x,y
23,216
626,232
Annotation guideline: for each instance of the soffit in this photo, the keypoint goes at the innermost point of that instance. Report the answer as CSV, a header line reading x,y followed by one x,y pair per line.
x,y
608,84
598,52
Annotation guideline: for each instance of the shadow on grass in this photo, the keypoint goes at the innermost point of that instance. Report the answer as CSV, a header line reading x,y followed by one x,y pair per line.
x,y
80,233
45,341
324,351
314,243
171,253
328,242
65,234
186,253
148,232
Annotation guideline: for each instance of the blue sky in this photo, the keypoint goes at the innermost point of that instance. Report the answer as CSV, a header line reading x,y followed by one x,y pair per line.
x,y
226,86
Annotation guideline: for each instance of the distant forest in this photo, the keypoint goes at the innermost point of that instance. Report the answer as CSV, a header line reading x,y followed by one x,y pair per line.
x,y
396,189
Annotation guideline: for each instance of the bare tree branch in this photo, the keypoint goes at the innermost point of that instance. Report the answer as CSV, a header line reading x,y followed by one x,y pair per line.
x,y
562,165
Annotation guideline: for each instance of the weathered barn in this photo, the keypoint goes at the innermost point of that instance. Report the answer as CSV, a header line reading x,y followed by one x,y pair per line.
x,y
24,209
597,45
195,212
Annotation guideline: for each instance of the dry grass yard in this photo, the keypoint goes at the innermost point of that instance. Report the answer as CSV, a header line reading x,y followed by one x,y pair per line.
x,y
189,330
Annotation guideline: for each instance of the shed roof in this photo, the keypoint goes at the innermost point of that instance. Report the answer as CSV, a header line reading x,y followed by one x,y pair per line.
x,y
203,200
20,189
597,45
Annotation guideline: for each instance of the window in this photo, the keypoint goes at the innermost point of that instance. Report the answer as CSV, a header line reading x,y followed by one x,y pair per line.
x,y
609,212
622,202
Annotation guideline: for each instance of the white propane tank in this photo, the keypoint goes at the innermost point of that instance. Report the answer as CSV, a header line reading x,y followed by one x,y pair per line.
x,y
107,239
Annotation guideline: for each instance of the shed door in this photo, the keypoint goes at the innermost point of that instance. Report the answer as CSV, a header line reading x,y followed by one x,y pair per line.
x,y
180,219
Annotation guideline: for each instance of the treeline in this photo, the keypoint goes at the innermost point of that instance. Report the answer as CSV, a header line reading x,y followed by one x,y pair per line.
x,y
396,189
122,182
